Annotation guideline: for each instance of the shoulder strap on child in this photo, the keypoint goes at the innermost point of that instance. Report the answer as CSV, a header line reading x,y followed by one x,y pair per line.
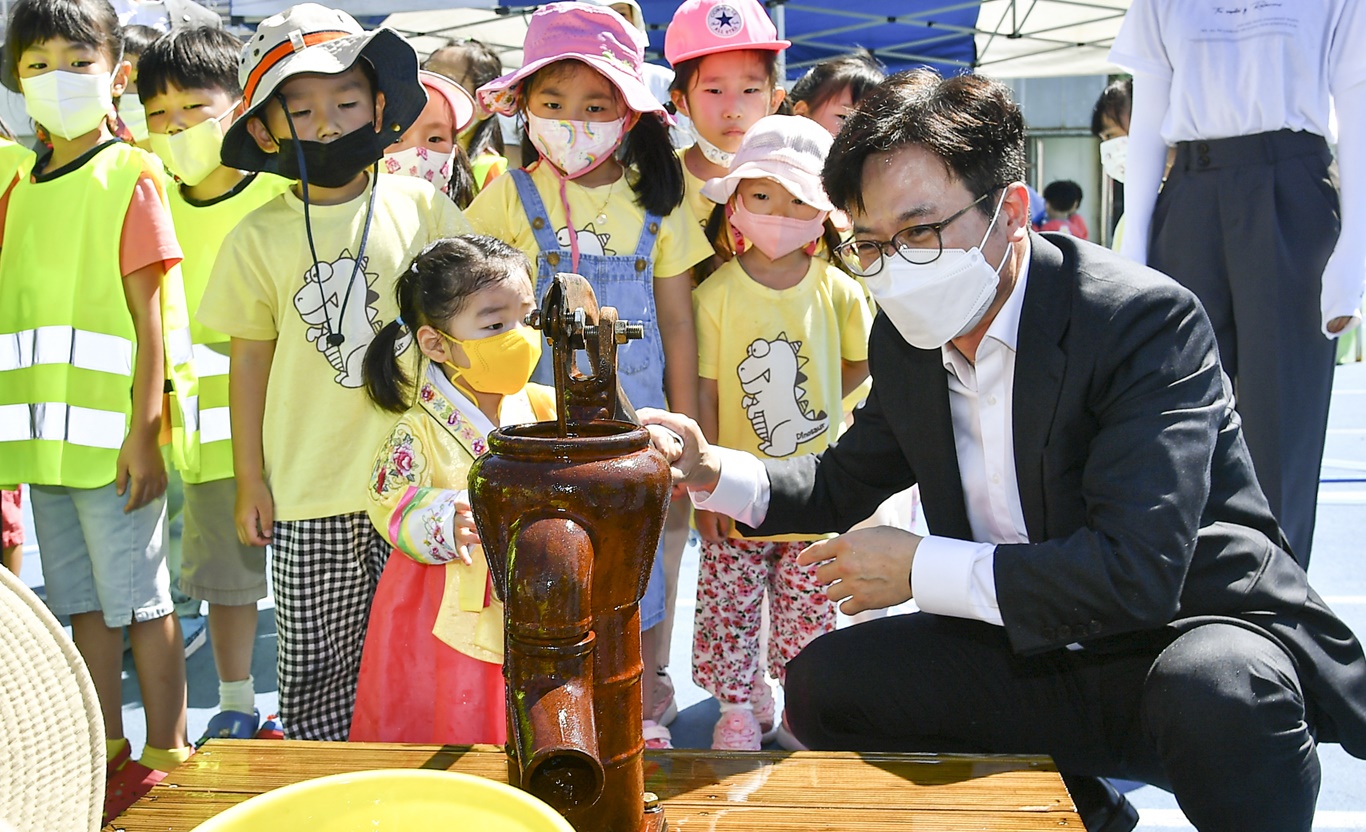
x,y
534,207
649,233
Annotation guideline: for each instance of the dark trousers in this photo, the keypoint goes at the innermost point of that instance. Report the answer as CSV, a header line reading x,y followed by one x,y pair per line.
x,y
1248,223
1214,714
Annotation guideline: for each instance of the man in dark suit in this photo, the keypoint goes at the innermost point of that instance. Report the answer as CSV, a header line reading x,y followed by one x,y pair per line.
x,y
1104,581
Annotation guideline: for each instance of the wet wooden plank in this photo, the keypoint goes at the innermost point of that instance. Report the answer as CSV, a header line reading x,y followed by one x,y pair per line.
x,y
700,789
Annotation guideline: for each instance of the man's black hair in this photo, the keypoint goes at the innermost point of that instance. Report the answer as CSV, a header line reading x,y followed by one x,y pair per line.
x,y
190,59
971,123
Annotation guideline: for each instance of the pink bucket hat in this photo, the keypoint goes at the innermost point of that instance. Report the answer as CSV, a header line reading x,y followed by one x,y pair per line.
x,y
593,35
790,150
460,102
705,27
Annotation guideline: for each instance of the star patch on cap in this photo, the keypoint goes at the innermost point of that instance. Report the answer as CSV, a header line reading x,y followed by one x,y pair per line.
x,y
724,21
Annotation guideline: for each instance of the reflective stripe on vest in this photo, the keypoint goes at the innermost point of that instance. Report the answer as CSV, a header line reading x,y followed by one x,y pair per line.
x,y
209,362
60,422
214,425
66,345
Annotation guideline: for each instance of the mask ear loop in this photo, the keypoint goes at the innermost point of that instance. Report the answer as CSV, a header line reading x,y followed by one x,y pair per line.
x,y
334,339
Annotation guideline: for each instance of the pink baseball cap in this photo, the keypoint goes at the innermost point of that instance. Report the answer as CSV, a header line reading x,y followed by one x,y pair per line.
x,y
790,150
705,27
593,35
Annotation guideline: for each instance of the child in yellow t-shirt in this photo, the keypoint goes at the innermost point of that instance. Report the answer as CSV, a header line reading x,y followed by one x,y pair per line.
x,y
782,335
433,665
90,288
302,285
622,224
190,92
725,59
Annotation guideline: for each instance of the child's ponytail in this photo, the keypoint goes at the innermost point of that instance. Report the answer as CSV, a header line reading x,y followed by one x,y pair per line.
x,y
386,381
658,172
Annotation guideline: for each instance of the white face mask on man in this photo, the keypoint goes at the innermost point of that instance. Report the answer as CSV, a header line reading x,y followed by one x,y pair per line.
x,y
931,304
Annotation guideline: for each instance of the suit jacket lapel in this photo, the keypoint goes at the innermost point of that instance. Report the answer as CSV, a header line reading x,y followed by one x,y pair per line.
x,y
1039,365
936,458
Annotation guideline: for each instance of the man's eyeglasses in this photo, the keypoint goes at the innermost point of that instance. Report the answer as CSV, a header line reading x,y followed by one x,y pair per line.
x,y
918,244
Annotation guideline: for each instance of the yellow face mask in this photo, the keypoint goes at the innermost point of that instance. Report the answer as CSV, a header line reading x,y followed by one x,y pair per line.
x,y
501,363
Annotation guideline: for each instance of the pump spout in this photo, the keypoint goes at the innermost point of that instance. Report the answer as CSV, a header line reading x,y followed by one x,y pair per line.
x,y
549,663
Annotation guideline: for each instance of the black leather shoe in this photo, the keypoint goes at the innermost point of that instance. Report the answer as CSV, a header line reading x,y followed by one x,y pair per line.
x,y
1101,806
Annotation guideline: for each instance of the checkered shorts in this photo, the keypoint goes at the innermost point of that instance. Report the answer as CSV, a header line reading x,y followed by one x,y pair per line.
x,y
325,572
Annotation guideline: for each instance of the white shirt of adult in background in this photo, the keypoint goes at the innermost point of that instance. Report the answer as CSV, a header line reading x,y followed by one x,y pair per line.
x,y
948,576
164,15
1212,69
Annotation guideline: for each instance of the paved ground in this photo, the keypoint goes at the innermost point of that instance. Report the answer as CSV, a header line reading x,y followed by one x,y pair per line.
x,y
1335,571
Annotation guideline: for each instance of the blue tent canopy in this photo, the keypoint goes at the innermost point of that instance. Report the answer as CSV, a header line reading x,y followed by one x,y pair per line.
x,y
903,35
1023,36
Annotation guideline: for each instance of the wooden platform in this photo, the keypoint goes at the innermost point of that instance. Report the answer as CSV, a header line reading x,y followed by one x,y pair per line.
x,y
711,790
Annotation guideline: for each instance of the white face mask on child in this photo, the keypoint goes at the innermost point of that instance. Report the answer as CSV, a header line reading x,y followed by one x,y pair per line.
x,y
575,147
710,152
68,104
134,116
1114,153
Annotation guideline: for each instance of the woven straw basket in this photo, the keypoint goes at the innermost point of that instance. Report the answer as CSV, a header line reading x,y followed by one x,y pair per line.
x,y
52,751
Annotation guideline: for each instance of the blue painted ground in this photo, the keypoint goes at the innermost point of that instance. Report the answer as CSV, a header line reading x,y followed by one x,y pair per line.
x,y
1335,571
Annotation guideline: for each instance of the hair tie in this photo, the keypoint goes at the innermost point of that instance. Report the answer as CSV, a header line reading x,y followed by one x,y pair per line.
x,y
399,320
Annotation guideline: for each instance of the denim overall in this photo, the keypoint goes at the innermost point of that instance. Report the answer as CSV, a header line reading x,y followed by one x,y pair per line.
x,y
625,282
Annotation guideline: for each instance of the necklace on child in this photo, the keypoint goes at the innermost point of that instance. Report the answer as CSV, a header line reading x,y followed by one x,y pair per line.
x,y
600,219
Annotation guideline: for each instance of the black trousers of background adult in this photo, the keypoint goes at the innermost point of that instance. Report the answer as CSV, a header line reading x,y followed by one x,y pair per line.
x,y
1214,714
1247,223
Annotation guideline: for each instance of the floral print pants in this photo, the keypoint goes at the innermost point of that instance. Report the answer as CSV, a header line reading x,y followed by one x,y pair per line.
x,y
732,579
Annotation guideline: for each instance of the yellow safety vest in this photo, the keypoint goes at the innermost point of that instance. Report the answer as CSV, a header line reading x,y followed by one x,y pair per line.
x,y
12,155
67,342
487,167
201,230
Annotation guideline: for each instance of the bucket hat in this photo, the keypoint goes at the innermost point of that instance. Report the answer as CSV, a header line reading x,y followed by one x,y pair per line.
x,y
315,39
596,36
705,27
788,149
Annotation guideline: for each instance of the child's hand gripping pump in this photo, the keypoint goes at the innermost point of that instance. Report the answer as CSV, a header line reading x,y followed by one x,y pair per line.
x,y
570,514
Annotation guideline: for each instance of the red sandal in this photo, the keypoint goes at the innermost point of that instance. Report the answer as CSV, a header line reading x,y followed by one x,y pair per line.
x,y
131,781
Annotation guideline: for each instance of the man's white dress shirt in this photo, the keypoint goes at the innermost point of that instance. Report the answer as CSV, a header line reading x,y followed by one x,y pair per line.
x,y
948,576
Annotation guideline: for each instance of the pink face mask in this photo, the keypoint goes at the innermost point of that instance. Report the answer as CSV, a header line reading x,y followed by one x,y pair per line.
x,y
774,236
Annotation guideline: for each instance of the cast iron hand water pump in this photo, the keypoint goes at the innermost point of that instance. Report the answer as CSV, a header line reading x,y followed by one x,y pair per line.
x,y
570,513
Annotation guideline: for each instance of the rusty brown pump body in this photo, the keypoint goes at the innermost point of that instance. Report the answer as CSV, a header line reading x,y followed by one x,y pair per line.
x,y
570,513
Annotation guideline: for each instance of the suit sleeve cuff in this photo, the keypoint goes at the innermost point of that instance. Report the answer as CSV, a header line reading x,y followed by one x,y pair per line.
x,y
955,577
742,491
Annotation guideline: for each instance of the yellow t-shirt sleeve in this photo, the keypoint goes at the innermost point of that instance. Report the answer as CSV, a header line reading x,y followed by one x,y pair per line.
x,y
681,244
239,300
855,319
497,212
707,319
450,221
